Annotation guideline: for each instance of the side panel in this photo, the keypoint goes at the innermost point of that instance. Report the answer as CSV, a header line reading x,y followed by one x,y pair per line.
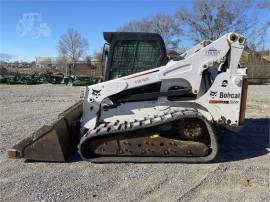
x,y
223,99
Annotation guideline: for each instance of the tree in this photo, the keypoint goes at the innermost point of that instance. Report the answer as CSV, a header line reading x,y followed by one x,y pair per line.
x,y
264,4
72,46
98,56
213,18
88,59
162,24
166,26
136,26
259,35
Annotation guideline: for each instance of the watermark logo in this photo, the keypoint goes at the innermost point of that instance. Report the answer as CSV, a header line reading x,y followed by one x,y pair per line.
x,y
32,24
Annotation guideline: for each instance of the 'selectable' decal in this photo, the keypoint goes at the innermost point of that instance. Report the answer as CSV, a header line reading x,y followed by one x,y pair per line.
x,y
218,102
223,101
212,51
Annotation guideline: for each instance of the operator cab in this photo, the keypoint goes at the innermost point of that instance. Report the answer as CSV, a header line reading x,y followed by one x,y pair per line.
x,y
126,53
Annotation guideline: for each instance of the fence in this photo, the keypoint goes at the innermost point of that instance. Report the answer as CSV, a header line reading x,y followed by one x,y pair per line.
x,y
258,73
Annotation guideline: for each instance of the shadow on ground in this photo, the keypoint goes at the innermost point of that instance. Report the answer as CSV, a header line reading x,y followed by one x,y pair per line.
x,y
251,141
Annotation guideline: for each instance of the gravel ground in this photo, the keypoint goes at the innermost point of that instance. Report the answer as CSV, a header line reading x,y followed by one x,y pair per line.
x,y
240,173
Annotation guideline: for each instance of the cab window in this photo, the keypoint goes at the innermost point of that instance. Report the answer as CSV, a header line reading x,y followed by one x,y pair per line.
x,y
130,57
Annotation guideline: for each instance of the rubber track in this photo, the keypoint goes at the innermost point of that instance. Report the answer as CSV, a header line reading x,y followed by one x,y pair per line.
x,y
105,129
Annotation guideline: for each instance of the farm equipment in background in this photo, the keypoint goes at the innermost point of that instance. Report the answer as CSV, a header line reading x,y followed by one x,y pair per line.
x,y
32,80
23,79
17,79
55,78
150,108
2,79
83,81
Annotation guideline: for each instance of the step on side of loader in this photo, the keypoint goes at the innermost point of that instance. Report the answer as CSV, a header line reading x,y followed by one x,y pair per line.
x,y
52,142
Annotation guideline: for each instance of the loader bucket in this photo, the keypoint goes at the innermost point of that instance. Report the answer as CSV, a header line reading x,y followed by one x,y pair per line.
x,y
52,142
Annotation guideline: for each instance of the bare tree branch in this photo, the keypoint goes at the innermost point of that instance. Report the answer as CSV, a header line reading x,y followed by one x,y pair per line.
x,y
162,24
72,46
212,18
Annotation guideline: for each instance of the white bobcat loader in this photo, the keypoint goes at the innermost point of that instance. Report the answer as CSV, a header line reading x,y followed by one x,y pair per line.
x,y
164,114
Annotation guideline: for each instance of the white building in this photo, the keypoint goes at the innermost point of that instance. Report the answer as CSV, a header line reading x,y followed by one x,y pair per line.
x,y
50,62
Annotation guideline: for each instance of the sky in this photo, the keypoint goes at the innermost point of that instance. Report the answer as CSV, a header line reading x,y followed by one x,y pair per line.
x,y
33,28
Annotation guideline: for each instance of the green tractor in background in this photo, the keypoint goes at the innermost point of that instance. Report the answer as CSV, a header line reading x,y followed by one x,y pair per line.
x,y
83,81
25,79
17,79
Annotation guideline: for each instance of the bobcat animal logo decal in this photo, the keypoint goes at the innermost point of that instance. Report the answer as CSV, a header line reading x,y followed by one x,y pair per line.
x,y
96,92
213,94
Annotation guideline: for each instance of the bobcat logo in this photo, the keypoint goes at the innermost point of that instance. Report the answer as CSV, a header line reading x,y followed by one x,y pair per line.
x,y
213,94
96,92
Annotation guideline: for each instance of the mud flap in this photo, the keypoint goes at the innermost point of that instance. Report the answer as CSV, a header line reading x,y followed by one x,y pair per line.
x,y
52,142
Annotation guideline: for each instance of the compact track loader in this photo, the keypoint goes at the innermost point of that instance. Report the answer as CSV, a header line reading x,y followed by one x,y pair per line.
x,y
149,108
